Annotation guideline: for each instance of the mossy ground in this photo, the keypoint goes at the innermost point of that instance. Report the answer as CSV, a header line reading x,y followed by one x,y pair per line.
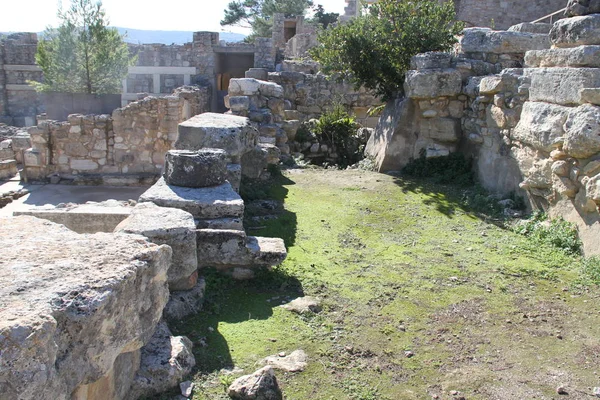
x,y
400,266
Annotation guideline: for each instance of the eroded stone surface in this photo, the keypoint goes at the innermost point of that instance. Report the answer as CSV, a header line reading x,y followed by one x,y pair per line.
x,y
203,203
583,131
582,56
541,125
485,40
432,83
561,85
576,31
185,303
173,227
261,385
294,362
201,168
108,290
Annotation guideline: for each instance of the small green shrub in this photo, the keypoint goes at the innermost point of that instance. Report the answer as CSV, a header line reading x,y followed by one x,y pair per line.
x,y
590,269
304,134
555,232
454,168
337,128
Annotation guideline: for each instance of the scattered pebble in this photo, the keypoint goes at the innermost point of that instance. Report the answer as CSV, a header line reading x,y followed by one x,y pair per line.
x,y
408,354
596,391
282,354
186,388
561,390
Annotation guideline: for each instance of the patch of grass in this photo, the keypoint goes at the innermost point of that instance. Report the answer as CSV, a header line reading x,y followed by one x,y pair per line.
x,y
454,168
555,232
590,270
400,265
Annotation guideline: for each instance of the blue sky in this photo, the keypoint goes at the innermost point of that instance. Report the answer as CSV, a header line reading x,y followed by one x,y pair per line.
x,y
180,15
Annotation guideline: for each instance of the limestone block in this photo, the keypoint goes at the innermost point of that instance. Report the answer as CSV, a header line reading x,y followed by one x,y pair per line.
x,y
203,168
234,176
172,227
262,74
271,89
592,188
108,290
203,203
503,118
220,223
564,186
576,31
539,176
392,143
528,27
497,84
185,303
234,134
432,83
33,158
581,56
591,95
541,125
8,169
244,87
561,85
441,129
431,60
83,165
165,360
582,132
592,168
238,103
484,40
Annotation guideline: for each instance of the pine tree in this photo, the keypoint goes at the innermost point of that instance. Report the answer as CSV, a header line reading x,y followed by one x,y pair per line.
x,y
83,55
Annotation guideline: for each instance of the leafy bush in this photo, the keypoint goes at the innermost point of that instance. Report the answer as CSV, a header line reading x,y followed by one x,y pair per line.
x,y
555,232
377,47
454,168
338,129
590,269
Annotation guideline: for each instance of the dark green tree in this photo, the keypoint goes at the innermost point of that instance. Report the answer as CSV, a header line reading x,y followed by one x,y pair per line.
x,y
83,55
324,18
375,49
258,14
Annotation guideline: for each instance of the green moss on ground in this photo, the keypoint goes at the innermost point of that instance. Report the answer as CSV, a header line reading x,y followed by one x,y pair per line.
x,y
400,266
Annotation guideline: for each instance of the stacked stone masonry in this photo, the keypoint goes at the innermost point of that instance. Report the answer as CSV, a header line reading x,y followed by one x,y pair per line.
x,y
125,148
530,118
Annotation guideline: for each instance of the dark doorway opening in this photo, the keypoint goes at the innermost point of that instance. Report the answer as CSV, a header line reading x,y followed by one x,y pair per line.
x,y
229,66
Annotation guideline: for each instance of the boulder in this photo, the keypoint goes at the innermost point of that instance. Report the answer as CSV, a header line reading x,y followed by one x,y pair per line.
x,y
261,385
581,56
253,87
232,133
432,83
576,31
431,60
301,305
294,362
203,203
541,125
529,27
582,132
485,40
173,227
70,304
165,360
561,85
202,168
392,144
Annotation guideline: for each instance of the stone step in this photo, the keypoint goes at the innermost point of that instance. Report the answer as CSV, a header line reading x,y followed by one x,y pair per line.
x,y
267,251
203,203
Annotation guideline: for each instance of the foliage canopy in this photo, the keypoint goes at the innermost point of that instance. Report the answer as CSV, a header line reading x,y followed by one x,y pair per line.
x,y
258,14
376,48
83,55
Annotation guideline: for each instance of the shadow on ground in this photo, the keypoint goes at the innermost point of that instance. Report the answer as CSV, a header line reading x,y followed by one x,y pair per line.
x,y
232,302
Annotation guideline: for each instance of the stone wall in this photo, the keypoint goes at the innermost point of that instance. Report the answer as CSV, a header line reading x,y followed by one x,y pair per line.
x,y
125,148
531,130
19,103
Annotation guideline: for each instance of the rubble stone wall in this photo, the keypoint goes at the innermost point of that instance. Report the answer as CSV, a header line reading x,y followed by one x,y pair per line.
x,y
133,141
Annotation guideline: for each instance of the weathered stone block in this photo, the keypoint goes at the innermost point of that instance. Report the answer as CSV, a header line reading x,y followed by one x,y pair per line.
x,y
576,31
581,56
528,27
203,168
83,165
582,128
108,288
172,227
431,60
484,40
432,83
541,125
441,129
203,203
561,85
8,169
497,84
238,103
234,134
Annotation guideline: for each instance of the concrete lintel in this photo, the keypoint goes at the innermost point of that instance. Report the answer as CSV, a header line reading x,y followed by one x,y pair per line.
x,y
20,88
16,67
162,70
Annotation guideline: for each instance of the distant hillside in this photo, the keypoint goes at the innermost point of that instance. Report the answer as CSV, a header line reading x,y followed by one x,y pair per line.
x,y
169,37
165,37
